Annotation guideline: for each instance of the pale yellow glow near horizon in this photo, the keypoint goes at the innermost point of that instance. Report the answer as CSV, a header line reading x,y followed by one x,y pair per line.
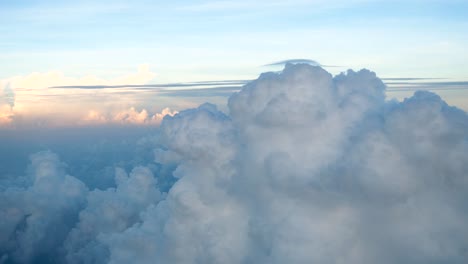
x,y
35,102
38,80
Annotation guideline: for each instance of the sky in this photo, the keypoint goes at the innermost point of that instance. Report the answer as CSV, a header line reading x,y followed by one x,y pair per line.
x,y
299,131
204,40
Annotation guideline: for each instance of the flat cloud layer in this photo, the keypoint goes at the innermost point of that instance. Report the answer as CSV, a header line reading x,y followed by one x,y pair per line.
x,y
305,168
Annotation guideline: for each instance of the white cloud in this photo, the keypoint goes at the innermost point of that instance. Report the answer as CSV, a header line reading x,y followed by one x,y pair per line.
x,y
158,117
305,168
128,116
111,211
310,169
131,116
36,218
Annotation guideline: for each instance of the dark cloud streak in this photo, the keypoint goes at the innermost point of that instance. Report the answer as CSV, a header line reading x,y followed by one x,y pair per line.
x,y
150,86
297,61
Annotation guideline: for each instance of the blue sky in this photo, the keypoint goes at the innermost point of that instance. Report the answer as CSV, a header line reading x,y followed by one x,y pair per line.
x,y
230,38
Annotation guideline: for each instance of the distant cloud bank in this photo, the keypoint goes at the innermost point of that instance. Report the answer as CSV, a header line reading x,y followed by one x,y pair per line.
x,y
53,99
129,116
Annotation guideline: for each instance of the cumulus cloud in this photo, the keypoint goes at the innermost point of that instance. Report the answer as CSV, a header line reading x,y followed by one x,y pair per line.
x,y
111,211
306,167
37,215
128,116
158,117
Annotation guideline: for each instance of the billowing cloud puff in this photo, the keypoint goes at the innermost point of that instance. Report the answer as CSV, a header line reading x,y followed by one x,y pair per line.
x,y
311,168
158,117
37,215
305,168
131,116
111,211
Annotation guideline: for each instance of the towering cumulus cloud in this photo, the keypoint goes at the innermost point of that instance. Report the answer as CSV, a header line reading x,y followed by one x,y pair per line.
x,y
305,168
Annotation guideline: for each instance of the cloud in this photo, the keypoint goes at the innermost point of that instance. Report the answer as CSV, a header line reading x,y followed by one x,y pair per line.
x,y
128,116
408,85
194,85
7,103
56,78
131,116
306,167
144,75
78,103
31,102
7,96
158,117
296,61
222,91
35,218
94,117
6,115
310,168
111,211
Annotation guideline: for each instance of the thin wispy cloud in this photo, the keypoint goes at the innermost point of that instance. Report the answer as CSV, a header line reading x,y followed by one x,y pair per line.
x,y
296,61
410,79
204,88
200,84
223,91
454,83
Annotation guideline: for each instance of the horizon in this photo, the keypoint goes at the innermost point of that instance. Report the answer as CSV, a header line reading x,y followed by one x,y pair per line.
x,y
87,43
